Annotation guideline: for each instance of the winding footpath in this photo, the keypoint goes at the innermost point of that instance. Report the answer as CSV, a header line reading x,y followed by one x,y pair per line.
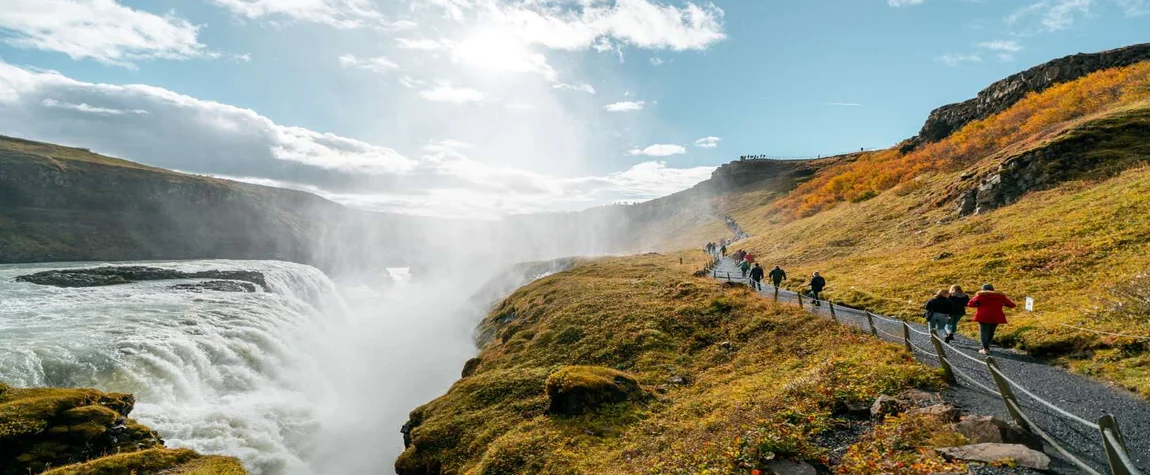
x,y
1085,398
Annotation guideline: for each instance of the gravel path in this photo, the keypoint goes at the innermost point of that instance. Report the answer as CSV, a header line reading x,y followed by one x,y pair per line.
x,y
1083,397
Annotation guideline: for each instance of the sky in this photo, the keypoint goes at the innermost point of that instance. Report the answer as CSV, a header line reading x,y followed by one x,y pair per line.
x,y
484,108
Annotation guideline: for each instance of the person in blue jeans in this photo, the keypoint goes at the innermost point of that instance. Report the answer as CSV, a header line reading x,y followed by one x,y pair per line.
x,y
938,310
958,301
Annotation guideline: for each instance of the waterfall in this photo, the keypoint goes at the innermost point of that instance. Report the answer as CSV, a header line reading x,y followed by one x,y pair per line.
x,y
219,372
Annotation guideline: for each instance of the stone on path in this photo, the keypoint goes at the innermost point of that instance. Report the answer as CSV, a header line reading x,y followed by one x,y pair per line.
x,y
787,467
1021,455
990,429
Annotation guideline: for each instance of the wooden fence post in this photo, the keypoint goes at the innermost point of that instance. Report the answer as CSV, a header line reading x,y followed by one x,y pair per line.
x,y
1006,393
834,317
1109,423
947,371
906,337
870,321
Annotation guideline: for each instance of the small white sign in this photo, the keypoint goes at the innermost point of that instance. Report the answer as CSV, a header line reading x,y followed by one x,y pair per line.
x,y
1029,304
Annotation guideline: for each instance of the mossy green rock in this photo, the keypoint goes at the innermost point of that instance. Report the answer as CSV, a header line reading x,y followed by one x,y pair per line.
x,y
158,461
87,431
574,390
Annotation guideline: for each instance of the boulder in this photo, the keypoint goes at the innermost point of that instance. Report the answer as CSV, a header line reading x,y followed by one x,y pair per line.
x,y
115,275
990,429
574,390
470,366
1021,455
787,467
944,412
884,406
918,398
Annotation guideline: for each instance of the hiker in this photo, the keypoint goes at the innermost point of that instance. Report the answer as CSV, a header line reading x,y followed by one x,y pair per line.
x,y
744,266
818,283
938,310
723,250
778,275
757,277
989,314
958,301
749,257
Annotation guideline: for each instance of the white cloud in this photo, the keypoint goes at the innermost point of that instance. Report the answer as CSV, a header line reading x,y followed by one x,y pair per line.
x,y
903,3
708,142
1052,15
422,44
337,13
581,87
956,59
625,106
659,150
656,61
184,133
82,107
1010,46
452,94
101,30
843,104
379,65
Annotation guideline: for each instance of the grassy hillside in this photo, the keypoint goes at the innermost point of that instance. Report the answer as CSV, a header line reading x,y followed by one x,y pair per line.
x,y
1072,232
690,377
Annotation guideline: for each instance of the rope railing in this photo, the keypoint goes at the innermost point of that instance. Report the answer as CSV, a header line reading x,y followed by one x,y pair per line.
x,y
1053,443
1113,444
1066,414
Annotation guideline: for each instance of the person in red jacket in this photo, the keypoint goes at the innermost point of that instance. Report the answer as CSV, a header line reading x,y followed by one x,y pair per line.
x,y
989,314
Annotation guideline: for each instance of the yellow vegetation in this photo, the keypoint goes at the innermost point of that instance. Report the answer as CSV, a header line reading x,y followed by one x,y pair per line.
x,y
736,380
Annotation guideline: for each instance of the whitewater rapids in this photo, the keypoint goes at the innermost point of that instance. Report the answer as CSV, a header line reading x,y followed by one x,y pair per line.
x,y
310,377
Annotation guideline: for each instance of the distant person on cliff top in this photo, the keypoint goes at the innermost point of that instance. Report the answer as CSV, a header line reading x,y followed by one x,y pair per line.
x,y
818,283
778,275
744,266
757,277
938,310
958,301
989,314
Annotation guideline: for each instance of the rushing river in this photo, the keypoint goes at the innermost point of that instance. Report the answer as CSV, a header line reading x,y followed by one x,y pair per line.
x,y
309,377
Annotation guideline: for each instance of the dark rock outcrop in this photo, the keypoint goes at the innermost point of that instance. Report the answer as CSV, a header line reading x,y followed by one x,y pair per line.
x,y
216,286
1094,150
990,429
574,390
1002,94
113,275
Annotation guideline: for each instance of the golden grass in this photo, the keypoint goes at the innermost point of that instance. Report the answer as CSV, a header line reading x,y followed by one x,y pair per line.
x,y
736,380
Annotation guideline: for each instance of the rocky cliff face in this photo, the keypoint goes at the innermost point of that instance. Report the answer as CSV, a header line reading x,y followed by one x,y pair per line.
x,y
1097,149
63,204
1004,93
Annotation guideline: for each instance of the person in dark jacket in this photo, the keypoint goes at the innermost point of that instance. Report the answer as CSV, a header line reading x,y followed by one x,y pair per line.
x,y
757,277
818,283
723,250
989,314
958,301
745,267
938,310
778,275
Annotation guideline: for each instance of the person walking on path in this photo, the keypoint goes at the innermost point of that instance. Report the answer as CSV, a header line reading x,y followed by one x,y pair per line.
x,y
757,277
778,275
749,257
989,314
958,301
818,283
745,266
723,250
938,311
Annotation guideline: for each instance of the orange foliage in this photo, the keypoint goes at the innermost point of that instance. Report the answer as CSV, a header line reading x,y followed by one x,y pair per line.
x,y
1033,118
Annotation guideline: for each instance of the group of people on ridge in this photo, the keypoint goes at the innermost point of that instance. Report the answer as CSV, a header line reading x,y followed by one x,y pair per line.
x,y
949,306
943,312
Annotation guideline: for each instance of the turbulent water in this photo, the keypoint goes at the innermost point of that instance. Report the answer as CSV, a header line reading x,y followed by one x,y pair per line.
x,y
311,377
